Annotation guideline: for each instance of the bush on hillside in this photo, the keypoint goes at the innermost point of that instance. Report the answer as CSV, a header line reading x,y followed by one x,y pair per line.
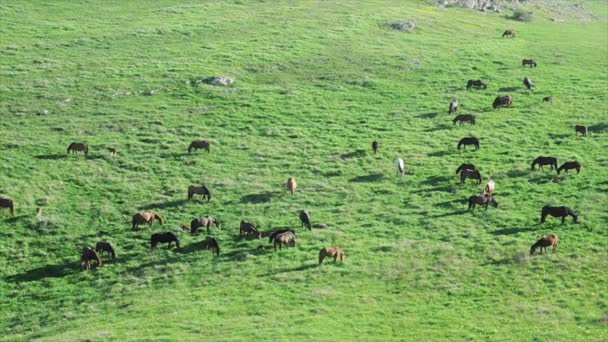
x,y
520,14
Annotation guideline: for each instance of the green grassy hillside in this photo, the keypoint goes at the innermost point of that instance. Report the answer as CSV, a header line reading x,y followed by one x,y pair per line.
x,y
315,83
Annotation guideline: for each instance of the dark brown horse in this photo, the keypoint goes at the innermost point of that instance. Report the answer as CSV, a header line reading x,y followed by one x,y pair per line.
x,y
529,62
332,252
280,231
569,166
375,146
464,166
502,101
247,228
197,144
476,84
469,141
453,106
548,99
74,147
288,239
166,237
544,242
212,244
103,246
528,83
484,200
146,217
468,173
88,254
545,161
8,204
199,190
305,219
558,212
204,222
580,129
462,118
509,33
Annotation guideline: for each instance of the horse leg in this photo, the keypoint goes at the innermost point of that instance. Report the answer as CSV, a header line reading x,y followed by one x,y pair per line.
x,y
563,219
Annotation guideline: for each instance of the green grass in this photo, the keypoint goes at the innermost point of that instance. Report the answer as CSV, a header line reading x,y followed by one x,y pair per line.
x,y
316,83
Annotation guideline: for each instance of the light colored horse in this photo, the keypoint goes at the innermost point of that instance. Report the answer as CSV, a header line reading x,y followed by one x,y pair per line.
x,y
146,217
400,164
292,185
490,187
288,239
333,252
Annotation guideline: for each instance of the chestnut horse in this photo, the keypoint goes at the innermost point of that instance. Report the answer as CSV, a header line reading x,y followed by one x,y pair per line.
x,y
287,239
462,118
509,33
305,219
484,200
464,166
103,246
74,147
469,141
333,252
166,237
545,161
196,144
291,185
8,204
204,222
199,190
569,166
453,106
558,212
502,101
580,129
248,228
146,217
476,84
468,173
529,62
544,242
88,254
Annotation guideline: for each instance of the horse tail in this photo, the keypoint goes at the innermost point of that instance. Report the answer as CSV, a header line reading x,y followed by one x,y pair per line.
x,y
321,256
455,119
70,147
471,202
459,144
190,148
217,249
534,163
12,208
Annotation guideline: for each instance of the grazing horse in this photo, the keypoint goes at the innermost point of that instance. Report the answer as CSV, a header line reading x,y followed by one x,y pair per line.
x,y
469,141
248,228
462,118
8,204
375,146
490,188
305,219
548,99
333,252
528,83
113,151
529,62
211,243
465,166
476,84
199,190
484,200
558,212
196,144
545,161
569,166
453,106
287,239
400,166
204,222
292,185
88,254
580,129
146,217
166,237
103,246
502,101
468,173
74,147
509,33
280,231
544,242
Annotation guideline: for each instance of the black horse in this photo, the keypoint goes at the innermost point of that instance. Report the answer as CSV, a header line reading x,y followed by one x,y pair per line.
x,y
464,166
468,173
375,146
103,246
462,118
569,166
305,218
280,231
476,84
211,243
548,99
469,141
545,161
166,237
558,212
529,62
484,200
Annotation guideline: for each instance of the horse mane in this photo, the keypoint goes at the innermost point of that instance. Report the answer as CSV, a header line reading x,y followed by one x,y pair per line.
x,y
158,217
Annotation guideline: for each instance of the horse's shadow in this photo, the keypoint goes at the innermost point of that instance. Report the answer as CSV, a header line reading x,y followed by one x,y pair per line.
x,y
517,173
438,128
51,156
598,128
434,180
559,136
354,154
164,205
374,177
508,89
509,231
449,204
257,198
453,213
48,271
438,154
427,115
292,269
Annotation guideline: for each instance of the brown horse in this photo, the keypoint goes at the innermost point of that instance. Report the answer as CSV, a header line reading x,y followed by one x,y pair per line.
x,y
529,62
197,144
484,200
103,246
88,254
453,106
333,252
375,146
528,83
247,228
544,242
166,237
462,118
476,84
580,129
305,219
545,161
291,185
502,101
280,231
204,222
146,217
113,152
199,190
8,204
212,244
468,173
469,141
287,239
558,212
465,166
74,147
569,166
509,33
